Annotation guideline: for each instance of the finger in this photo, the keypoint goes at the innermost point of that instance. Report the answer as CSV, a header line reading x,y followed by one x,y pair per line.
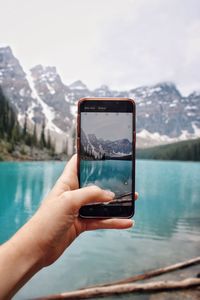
x,y
136,196
108,224
87,195
68,179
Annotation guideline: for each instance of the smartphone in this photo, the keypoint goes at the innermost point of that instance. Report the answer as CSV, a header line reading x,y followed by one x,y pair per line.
x,y
106,154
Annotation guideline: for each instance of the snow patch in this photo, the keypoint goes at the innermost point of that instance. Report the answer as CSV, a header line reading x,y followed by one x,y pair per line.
x,y
196,130
73,110
148,102
79,87
161,139
121,153
48,112
188,107
141,104
191,114
67,98
51,90
31,110
172,105
22,92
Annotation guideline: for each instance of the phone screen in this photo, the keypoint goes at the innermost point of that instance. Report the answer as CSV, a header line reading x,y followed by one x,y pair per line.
x,y
106,153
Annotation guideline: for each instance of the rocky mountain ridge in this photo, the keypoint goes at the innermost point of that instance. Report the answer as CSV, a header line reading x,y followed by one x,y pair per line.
x,y
99,148
163,114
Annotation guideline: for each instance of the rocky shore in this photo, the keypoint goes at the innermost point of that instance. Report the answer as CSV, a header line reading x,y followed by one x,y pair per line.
x,y
22,152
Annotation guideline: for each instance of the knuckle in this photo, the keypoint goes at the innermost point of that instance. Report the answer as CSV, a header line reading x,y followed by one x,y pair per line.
x,y
66,196
69,200
95,189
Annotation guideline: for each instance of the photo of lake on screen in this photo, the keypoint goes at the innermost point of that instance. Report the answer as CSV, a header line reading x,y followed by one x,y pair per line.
x,y
166,230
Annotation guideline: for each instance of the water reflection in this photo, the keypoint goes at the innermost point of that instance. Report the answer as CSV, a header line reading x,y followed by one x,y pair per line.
x,y
108,174
23,186
169,194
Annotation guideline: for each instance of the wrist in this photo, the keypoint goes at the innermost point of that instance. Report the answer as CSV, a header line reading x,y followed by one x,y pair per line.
x,y
26,242
21,255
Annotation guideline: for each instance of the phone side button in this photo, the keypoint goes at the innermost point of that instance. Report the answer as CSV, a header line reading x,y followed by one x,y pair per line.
x,y
78,144
78,125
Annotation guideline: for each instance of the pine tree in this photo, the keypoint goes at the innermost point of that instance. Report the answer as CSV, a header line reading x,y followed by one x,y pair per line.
x,y
35,141
28,139
25,127
42,137
48,141
8,119
65,146
2,115
52,149
15,136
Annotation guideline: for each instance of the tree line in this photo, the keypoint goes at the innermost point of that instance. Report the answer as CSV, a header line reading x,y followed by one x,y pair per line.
x,y
13,133
186,150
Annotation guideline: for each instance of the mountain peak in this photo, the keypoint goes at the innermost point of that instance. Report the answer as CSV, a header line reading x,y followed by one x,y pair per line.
x,y
78,85
166,85
40,69
104,87
195,94
6,50
7,58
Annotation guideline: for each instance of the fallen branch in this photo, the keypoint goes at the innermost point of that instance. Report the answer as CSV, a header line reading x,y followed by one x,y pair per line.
x,y
125,283
127,288
154,273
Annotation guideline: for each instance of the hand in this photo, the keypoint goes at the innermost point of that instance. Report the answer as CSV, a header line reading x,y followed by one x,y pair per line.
x,y
51,230
56,224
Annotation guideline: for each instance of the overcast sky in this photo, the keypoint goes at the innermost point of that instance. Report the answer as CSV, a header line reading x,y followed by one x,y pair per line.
x,y
121,43
106,125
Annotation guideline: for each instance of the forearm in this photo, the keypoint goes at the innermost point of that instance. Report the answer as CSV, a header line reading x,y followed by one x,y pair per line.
x,y
19,261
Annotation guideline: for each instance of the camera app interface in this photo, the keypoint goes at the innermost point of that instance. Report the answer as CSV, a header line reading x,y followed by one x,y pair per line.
x,y
106,153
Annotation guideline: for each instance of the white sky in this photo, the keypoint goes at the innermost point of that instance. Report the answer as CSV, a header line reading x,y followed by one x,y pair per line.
x,y
106,125
121,43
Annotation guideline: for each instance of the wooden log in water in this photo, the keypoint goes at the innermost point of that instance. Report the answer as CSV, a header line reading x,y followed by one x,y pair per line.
x,y
127,288
154,273
83,293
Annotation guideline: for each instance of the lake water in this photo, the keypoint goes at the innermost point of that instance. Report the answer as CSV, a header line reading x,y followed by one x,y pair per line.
x,y
166,231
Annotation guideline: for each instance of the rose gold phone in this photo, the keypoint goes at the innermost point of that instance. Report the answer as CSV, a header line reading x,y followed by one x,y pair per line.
x,y
106,153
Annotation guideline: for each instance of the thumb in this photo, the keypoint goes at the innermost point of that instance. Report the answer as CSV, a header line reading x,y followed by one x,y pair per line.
x,y
68,179
88,195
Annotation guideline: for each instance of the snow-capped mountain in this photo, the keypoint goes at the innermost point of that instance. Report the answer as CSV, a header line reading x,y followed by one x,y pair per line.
x,y
38,94
163,114
52,91
100,148
162,109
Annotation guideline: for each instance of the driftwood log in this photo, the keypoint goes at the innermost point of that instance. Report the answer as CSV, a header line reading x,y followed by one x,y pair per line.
x,y
154,273
127,285
127,288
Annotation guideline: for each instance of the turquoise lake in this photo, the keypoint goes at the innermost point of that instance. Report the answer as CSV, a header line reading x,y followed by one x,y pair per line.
x,y
166,231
